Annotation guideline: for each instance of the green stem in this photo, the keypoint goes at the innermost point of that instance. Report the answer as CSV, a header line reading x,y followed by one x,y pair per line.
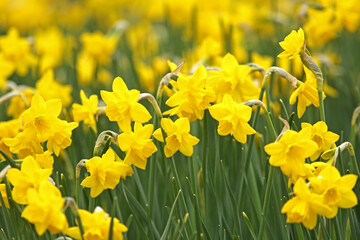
x,y
322,110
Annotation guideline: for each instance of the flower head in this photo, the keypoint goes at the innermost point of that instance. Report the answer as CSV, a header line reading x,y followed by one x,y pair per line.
x,y
44,209
320,134
233,118
305,206
122,105
293,44
137,144
178,136
105,172
96,225
290,151
29,177
192,97
4,195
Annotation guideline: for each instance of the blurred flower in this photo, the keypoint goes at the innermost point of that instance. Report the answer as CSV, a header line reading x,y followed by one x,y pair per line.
x,y
85,67
192,97
49,88
99,46
9,129
50,45
320,134
4,195
96,225
87,110
17,104
6,69
29,177
122,105
178,136
105,173
137,145
17,50
44,209
233,118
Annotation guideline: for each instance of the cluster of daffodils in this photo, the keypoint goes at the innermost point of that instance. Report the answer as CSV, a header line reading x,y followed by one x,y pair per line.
x,y
318,187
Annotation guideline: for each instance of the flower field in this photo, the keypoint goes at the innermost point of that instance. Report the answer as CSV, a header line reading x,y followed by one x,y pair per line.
x,y
171,119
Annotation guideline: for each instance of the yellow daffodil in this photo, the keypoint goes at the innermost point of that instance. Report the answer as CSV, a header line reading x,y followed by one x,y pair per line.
x,y
96,226
85,67
25,143
29,177
335,189
122,105
305,206
87,110
45,160
44,209
42,116
293,44
99,46
105,173
233,79
17,50
6,69
178,136
233,118
4,195
290,151
306,93
320,134
50,45
192,97
9,129
137,145
49,88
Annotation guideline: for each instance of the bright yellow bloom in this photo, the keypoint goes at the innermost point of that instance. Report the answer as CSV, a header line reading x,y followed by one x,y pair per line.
x,y
293,44
290,151
335,189
105,173
320,134
29,177
24,143
192,97
44,209
96,226
45,160
233,79
85,67
9,129
137,145
42,116
305,206
233,118
49,88
99,46
306,93
6,69
178,136
4,195
122,105
87,110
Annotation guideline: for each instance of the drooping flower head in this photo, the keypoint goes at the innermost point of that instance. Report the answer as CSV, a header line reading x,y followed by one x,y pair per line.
x,y
87,110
